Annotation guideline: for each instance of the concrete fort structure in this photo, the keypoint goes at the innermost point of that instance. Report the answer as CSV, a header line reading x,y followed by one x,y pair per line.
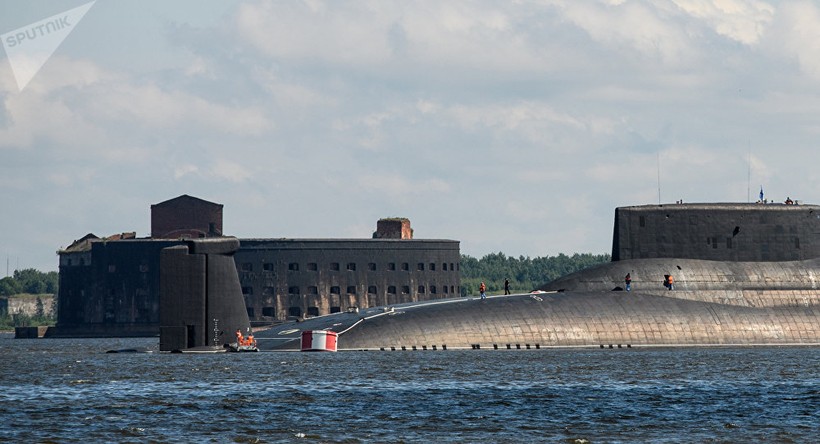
x,y
298,278
743,274
111,286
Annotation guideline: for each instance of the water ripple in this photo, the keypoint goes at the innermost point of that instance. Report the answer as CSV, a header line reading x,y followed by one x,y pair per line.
x,y
79,393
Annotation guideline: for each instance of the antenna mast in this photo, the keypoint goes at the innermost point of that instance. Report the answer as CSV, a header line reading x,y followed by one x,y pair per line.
x,y
659,177
749,178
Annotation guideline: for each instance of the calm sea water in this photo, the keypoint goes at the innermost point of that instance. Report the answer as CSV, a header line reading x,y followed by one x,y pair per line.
x,y
54,390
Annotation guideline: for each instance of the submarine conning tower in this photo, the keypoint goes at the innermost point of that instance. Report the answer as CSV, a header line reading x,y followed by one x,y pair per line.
x,y
748,232
201,303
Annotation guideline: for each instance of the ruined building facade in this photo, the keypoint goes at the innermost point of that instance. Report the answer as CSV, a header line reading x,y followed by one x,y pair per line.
x,y
111,286
287,278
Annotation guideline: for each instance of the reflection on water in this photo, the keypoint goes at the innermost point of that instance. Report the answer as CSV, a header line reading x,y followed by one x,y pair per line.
x,y
70,390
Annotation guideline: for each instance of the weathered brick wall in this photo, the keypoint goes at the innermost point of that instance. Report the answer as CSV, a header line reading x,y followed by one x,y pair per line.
x,y
398,228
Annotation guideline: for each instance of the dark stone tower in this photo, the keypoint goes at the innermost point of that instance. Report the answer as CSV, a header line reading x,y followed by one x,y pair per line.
x,y
186,217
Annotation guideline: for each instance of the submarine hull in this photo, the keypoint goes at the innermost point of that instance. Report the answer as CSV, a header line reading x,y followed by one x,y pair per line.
x,y
559,319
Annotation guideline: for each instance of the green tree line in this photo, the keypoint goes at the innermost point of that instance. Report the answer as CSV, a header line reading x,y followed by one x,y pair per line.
x,y
29,281
525,273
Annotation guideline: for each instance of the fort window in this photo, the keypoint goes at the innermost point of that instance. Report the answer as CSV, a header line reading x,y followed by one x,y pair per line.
x,y
714,242
445,289
433,289
313,311
293,290
335,309
432,266
729,242
334,266
313,290
312,266
405,289
391,289
295,311
293,266
391,266
797,243
269,312
371,266
405,266
371,289
334,290
247,266
642,221
351,289
250,311
267,291
267,266
421,266
421,289
247,290
351,266
444,266
452,289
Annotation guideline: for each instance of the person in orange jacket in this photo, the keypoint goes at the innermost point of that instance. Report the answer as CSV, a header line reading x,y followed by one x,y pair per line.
x,y
482,289
669,282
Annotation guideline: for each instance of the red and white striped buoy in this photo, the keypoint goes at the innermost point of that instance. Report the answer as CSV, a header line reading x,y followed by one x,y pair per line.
x,y
318,340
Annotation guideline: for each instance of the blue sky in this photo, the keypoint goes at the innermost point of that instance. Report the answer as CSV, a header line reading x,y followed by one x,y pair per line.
x,y
511,126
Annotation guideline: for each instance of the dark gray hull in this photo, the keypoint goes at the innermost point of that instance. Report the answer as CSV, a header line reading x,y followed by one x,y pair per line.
x,y
565,319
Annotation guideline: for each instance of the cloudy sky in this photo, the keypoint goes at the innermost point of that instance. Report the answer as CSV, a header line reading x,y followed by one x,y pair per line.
x,y
511,126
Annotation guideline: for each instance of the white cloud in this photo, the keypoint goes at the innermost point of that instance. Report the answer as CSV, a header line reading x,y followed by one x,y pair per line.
x,y
396,185
156,108
185,170
230,171
543,114
744,21
314,30
795,34
649,29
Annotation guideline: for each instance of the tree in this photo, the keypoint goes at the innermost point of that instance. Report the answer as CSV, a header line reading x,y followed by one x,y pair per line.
x,y
524,273
29,281
9,286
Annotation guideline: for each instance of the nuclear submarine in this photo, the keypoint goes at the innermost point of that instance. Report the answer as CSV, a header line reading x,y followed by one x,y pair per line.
x,y
701,274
